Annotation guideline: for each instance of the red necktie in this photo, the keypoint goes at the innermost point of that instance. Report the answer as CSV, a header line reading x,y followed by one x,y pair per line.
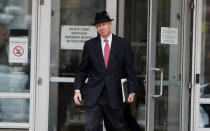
x,y
106,52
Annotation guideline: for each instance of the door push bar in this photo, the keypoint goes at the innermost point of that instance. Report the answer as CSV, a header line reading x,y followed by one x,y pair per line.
x,y
161,82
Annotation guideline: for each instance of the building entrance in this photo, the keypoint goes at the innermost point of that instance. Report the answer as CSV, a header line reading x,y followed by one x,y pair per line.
x,y
41,45
72,17
160,43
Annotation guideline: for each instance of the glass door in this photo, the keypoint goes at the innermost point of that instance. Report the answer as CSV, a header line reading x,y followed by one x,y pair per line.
x,y
17,64
71,26
165,69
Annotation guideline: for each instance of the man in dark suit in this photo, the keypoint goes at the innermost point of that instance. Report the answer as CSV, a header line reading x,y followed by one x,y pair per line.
x,y
106,59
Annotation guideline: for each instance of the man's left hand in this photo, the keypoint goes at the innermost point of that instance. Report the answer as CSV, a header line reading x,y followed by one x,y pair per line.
x,y
131,97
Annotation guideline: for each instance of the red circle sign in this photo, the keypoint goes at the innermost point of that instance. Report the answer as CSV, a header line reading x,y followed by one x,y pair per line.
x,y
18,51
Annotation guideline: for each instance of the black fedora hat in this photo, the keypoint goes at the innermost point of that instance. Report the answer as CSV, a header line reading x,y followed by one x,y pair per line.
x,y
102,17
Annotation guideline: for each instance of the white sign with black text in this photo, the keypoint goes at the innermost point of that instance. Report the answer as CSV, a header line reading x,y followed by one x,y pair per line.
x,y
74,37
169,35
18,50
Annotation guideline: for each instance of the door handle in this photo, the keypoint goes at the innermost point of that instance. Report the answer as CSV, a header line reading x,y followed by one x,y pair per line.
x,y
39,81
161,82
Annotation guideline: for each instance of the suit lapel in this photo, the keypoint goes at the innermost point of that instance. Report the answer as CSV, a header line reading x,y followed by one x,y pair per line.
x,y
99,51
112,51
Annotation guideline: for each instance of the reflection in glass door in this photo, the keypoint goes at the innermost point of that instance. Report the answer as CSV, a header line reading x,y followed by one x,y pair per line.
x,y
17,60
164,66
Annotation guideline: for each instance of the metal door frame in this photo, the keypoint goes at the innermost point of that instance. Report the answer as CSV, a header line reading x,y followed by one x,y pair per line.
x,y
43,63
149,102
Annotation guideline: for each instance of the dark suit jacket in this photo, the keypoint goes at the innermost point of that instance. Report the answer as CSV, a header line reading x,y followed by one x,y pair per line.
x,y
120,65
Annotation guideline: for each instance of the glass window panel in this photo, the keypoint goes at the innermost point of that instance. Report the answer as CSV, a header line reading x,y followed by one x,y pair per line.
x,y
63,113
135,30
14,110
62,107
205,49
204,116
14,15
72,12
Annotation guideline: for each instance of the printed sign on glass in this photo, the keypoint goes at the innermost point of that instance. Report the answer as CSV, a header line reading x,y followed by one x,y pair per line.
x,y
18,50
169,35
74,37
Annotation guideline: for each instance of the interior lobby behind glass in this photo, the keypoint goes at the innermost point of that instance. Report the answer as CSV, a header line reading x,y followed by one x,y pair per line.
x,y
135,30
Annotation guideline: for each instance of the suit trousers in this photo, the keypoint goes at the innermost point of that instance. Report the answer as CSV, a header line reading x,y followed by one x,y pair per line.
x,y
130,120
115,119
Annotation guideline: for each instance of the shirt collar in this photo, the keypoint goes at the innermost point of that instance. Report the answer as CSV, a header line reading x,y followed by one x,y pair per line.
x,y
109,38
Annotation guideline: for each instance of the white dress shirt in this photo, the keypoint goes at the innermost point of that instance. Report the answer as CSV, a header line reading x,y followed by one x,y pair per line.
x,y
103,43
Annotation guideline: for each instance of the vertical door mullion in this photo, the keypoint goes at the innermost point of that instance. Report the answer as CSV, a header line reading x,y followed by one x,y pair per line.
x,y
111,7
43,66
121,17
151,64
198,61
192,126
196,68
33,64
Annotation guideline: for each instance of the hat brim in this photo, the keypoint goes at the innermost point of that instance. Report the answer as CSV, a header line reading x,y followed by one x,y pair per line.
x,y
102,20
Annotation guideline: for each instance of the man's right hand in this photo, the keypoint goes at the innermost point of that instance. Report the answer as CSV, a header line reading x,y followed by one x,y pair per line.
x,y
77,98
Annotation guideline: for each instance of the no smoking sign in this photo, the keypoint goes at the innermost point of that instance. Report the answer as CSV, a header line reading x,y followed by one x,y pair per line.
x,y
18,50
